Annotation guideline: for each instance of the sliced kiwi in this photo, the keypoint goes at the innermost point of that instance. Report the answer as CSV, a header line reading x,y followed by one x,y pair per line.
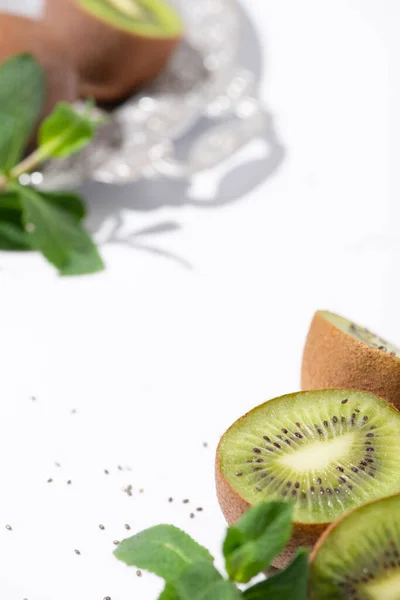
x,y
341,354
358,557
116,45
324,451
152,18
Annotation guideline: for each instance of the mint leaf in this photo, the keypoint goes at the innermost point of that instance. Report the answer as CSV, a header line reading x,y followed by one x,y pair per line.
x,y
222,590
290,584
58,235
64,132
10,201
169,593
163,550
256,539
68,201
196,579
13,237
21,98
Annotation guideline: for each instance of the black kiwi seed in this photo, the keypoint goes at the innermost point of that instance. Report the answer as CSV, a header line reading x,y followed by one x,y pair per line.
x,y
365,418
334,419
322,491
354,469
370,435
297,485
284,430
257,469
337,491
326,423
340,469
284,493
328,491
312,489
320,431
319,480
298,435
266,438
258,488
289,484
298,424
342,479
257,450
357,410
277,445
344,401
343,419
259,460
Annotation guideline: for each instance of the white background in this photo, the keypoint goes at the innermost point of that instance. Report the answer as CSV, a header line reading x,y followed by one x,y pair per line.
x,y
163,350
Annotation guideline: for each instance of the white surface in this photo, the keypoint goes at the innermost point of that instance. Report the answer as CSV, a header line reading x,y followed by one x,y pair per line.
x,y
157,358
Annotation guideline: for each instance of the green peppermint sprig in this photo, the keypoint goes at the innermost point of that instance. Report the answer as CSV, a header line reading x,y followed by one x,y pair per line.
x,y
30,219
249,549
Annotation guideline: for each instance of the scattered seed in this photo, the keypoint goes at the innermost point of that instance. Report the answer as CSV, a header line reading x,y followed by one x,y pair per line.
x,y
107,598
128,490
57,464
119,468
106,472
139,573
199,509
8,527
205,445
77,551
102,527
69,482
73,411
170,499
186,500
127,526
191,515
116,542
50,480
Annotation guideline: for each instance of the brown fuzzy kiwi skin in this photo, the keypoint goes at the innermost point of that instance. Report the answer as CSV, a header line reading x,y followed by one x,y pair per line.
x,y
233,506
334,359
22,35
111,62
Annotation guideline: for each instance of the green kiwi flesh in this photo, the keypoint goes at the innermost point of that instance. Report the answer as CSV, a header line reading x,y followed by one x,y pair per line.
x,y
325,451
149,18
359,557
362,334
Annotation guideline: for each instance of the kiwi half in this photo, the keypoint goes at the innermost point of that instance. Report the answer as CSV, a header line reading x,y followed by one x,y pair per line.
x,y
340,354
20,34
325,451
116,45
358,557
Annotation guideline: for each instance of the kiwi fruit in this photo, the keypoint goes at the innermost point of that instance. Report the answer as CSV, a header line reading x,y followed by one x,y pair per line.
x,y
341,354
116,45
326,452
22,35
358,556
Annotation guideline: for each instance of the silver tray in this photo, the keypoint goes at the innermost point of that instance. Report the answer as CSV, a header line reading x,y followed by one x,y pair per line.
x,y
204,80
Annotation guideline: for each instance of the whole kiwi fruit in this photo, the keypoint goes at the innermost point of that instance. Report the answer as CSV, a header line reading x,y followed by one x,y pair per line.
x,y
326,452
339,353
116,45
22,35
